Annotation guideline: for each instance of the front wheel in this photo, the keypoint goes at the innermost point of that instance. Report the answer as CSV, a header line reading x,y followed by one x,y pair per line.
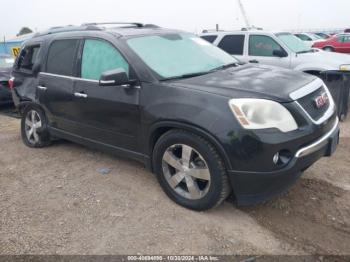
x,y
190,170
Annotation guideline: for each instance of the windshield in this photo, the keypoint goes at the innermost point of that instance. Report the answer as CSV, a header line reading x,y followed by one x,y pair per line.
x,y
6,62
176,55
293,43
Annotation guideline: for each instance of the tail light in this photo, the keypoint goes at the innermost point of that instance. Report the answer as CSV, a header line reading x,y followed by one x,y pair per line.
x,y
11,82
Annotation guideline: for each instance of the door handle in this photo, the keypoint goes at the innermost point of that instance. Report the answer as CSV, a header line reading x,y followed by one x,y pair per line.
x,y
80,95
254,61
42,88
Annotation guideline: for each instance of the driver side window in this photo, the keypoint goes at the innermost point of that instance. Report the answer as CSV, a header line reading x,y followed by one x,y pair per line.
x,y
260,45
100,56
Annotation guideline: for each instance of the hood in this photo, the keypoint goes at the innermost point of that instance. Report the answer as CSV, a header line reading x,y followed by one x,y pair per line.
x,y
5,73
326,60
249,81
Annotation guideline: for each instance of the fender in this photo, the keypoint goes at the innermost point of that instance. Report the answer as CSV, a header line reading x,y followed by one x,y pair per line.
x,y
170,124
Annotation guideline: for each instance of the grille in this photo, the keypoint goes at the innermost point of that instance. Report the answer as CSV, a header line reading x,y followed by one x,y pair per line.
x,y
309,104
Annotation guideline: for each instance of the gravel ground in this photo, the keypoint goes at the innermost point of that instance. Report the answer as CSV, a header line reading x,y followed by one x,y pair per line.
x,y
54,201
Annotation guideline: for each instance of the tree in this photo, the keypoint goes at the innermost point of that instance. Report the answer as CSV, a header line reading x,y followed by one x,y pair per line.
x,y
24,30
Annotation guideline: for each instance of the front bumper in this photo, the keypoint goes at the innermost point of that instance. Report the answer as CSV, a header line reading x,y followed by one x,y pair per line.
x,y
255,187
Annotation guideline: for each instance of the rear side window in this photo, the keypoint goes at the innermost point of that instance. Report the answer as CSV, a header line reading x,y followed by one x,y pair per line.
x,y
260,45
233,44
28,58
99,57
209,38
61,57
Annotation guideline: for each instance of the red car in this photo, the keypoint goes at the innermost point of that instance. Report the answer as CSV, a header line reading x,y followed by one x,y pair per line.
x,y
338,43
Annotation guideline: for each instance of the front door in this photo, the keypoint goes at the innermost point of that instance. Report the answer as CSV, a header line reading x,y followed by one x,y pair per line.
x,y
261,48
109,115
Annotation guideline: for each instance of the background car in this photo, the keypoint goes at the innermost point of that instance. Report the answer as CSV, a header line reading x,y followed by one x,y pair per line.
x,y
339,43
347,30
277,49
323,35
6,62
309,38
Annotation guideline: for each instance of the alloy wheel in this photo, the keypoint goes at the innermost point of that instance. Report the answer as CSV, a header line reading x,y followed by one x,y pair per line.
x,y
32,124
186,171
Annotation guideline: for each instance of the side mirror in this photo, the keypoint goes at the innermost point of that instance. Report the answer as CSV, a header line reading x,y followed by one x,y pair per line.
x,y
115,77
279,53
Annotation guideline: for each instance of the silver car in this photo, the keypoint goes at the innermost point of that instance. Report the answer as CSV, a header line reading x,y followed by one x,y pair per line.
x,y
278,49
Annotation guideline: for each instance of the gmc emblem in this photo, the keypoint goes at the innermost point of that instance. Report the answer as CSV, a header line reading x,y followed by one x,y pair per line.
x,y
321,100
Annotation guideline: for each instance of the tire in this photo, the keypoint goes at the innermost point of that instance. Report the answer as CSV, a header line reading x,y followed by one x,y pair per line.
x,y
199,191
328,49
39,136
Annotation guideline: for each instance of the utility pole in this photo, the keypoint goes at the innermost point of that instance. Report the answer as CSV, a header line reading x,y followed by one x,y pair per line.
x,y
244,14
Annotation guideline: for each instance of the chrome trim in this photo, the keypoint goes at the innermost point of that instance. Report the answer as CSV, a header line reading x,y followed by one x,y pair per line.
x,y
80,95
308,89
318,144
42,88
70,77
327,114
106,82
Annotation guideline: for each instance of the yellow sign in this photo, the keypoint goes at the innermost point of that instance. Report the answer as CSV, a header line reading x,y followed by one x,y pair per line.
x,y
15,51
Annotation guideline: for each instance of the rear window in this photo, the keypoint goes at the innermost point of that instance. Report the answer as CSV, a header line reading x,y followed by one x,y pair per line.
x,y
209,38
233,44
61,57
28,58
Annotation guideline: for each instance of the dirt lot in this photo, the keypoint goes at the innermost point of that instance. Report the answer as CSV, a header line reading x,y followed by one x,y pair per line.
x,y
54,201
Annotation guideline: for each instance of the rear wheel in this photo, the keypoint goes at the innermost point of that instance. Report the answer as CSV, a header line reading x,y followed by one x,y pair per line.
x,y
34,128
328,49
190,170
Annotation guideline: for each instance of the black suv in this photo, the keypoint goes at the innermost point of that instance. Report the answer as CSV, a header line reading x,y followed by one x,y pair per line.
x,y
205,123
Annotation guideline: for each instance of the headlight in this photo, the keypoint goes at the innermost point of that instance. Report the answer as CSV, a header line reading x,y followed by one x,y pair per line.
x,y
262,114
344,68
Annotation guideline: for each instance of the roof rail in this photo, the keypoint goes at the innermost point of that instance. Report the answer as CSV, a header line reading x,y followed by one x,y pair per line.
x,y
114,23
70,28
132,24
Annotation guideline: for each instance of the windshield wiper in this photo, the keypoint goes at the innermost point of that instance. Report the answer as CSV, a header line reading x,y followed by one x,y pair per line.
x,y
201,73
186,75
225,66
306,51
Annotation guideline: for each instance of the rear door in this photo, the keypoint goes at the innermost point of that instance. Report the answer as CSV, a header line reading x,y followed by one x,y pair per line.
x,y
343,45
109,115
57,81
260,50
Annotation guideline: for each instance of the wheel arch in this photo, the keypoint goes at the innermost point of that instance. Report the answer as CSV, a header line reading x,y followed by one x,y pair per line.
x,y
158,129
24,104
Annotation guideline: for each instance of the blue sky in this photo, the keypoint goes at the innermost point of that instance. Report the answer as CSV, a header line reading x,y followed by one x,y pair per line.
x,y
190,15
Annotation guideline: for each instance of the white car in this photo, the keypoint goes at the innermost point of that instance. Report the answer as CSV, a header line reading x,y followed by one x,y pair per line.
x,y
308,38
277,49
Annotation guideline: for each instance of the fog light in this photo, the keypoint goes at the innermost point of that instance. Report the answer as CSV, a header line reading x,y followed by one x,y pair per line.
x,y
282,158
276,158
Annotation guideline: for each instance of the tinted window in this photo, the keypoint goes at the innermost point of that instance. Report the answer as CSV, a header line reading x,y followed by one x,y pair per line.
x,y
233,44
61,57
99,57
28,57
260,45
209,38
